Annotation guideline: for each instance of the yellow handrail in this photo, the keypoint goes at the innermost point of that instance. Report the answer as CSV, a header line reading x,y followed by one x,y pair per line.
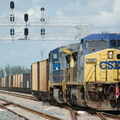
x,y
64,80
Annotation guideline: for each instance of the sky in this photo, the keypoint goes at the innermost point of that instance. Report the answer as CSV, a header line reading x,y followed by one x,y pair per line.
x,y
100,15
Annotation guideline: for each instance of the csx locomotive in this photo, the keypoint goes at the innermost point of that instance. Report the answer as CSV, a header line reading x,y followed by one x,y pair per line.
x,y
84,74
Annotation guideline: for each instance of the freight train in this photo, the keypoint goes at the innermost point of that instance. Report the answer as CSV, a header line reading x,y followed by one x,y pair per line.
x,y
17,83
84,74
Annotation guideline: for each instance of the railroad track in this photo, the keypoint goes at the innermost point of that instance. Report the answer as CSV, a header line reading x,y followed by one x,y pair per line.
x,y
18,95
101,115
105,116
73,112
41,114
117,117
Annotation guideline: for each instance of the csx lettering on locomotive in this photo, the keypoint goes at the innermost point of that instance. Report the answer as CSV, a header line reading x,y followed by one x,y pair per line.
x,y
110,65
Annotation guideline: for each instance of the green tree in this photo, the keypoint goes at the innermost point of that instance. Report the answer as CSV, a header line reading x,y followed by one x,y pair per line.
x,y
13,70
8,70
2,73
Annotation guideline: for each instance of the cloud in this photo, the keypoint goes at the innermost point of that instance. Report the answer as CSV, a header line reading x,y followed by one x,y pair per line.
x,y
100,13
103,14
36,0
107,17
30,12
59,14
34,12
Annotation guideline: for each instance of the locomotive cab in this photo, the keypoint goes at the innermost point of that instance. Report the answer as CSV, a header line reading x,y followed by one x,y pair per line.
x,y
101,73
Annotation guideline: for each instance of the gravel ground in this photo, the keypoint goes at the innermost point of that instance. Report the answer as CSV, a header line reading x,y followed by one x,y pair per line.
x,y
6,115
55,111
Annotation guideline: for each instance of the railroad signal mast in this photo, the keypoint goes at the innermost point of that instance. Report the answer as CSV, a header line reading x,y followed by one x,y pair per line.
x,y
43,22
42,31
26,31
12,19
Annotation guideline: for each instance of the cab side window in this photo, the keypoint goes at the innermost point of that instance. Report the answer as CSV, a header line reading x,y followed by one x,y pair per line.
x,y
55,56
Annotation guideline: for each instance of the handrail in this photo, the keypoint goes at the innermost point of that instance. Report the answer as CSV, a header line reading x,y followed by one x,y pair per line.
x,y
95,73
64,80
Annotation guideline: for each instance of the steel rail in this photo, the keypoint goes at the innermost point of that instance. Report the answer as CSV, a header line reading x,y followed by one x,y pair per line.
x,y
101,116
111,115
3,106
105,116
72,112
18,95
33,111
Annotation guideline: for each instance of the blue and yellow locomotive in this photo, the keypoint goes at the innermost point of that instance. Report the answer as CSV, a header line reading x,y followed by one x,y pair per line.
x,y
101,71
84,74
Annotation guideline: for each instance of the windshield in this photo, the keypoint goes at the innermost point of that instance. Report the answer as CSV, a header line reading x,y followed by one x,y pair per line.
x,y
96,44
115,43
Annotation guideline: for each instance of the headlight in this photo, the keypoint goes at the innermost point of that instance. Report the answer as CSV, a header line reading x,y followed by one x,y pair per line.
x,y
100,89
110,54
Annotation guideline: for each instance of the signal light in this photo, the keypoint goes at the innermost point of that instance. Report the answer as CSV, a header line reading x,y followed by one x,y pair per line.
x,y
12,18
12,32
42,19
42,31
26,31
42,9
26,17
12,5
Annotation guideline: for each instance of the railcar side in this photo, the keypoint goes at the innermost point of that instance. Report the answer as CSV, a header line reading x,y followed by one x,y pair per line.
x,y
17,83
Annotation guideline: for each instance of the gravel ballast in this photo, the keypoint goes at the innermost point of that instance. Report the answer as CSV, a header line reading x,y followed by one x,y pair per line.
x,y
6,115
37,105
